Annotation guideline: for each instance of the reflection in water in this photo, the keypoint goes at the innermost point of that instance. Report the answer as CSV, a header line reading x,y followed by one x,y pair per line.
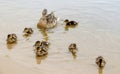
x,y
100,71
10,46
44,33
26,36
74,55
45,37
67,27
39,59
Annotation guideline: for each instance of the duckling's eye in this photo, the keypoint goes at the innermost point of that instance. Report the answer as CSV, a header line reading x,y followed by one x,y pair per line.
x,y
38,47
8,35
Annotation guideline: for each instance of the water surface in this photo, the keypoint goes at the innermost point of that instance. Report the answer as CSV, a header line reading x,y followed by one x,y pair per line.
x,y
98,33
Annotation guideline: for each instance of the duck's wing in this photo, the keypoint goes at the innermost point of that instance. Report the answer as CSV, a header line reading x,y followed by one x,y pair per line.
x,y
51,18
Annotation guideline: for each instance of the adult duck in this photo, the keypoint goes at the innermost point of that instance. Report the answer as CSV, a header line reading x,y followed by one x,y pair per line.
x,y
47,20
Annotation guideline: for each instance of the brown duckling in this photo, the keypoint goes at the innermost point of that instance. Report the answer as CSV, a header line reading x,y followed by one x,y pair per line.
x,y
73,48
27,31
70,23
43,43
100,61
41,51
37,43
11,38
41,48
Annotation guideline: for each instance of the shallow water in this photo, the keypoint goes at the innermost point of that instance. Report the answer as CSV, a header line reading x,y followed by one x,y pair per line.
x,y
98,33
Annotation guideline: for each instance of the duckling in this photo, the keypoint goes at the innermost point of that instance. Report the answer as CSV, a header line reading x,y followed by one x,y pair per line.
x,y
11,38
73,48
37,43
47,20
45,44
41,51
27,31
41,43
100,61
70,23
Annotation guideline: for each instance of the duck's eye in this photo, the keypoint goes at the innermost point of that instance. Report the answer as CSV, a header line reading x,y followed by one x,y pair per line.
x,y
8,35
38,48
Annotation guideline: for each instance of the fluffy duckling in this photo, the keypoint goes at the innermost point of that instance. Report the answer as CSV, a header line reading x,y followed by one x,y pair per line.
x,y
41,51
11,38
41,48
73,48
47,20
70,23
27,31
100,61
43,43
37,43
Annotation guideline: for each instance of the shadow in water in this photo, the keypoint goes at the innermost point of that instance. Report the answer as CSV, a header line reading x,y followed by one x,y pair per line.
x,y
10,46
71,26
40,58
100,70
44,33
27,36
74,55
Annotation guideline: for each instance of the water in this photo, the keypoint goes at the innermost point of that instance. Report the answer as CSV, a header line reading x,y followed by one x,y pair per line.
x,y
98,33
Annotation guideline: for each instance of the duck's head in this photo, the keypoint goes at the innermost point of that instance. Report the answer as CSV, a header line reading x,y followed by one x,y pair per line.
x,y
100,61
44,12
45,43
37,44
66,20
73,48
28,31
11,38
40,51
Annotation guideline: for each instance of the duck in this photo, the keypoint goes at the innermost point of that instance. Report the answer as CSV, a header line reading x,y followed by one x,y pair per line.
x,y
70,23
47,20
100,61
45,44
73,48
41,51
11,38
37,43
41,43
41,48
28,31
